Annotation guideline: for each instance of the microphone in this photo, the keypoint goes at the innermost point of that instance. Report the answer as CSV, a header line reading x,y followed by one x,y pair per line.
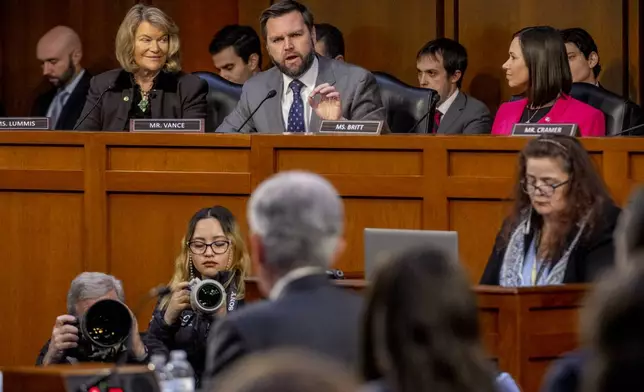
x,y
628,130
100,98
270,94
432,108
156,292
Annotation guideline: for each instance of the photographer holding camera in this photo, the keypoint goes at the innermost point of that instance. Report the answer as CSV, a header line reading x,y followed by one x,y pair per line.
x,y
69,344
208,281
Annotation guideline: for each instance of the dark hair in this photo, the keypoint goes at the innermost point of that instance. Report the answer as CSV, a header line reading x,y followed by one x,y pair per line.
x,y
585,191
545,56
584,41
243,39
612,324
222,214
284,7
332,38
420,331
454,55
286,370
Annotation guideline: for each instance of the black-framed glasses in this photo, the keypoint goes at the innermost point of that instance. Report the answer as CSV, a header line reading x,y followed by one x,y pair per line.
x,y
547,190
218,247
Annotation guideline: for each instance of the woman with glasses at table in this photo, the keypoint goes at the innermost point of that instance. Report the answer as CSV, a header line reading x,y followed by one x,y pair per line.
x,y
212,248
562,222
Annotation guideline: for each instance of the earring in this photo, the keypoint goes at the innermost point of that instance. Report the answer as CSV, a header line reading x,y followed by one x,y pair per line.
x,y
230,259
191,267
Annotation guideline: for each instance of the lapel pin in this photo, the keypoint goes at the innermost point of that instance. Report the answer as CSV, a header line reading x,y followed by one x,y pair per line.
x,y
547,119
126,98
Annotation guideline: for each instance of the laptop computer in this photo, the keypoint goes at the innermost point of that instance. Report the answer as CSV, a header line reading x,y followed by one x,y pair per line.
x,y
380,244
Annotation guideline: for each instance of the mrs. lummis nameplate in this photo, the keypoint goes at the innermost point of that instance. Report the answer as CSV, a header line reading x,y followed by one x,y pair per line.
x,y
25,123
193,125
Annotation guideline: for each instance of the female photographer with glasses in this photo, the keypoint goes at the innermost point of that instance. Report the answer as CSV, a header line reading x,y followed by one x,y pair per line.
x,y
562,222
212,248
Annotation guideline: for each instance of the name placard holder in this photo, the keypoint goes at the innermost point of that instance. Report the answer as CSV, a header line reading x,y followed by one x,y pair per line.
x,y
350,127
535,129
25,123
192,125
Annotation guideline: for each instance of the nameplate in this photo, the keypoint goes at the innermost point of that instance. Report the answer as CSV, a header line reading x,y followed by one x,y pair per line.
x,y
25,123
351,127
193,125
540,129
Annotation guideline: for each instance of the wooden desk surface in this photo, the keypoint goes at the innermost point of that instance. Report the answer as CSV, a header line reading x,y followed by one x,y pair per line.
x,y
119,202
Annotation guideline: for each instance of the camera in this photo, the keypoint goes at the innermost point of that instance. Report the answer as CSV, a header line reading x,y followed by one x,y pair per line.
x,y
103,331
206,296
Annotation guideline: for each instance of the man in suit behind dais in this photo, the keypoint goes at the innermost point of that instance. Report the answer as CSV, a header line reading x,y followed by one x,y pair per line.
x,y
441,65
309,88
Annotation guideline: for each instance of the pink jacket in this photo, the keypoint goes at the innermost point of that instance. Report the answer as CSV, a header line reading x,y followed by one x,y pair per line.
x,y
565,110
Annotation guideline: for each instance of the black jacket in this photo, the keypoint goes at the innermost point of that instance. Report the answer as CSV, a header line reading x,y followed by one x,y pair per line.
x,y
153,346
588,259
188,333
173,96
310,314
72,109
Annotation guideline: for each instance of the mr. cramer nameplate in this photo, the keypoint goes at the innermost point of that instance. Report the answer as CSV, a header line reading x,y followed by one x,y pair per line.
x,y
351,127
535,129
193,125
25,123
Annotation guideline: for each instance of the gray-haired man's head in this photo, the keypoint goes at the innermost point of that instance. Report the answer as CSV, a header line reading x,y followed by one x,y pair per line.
x,y
296,219
90,287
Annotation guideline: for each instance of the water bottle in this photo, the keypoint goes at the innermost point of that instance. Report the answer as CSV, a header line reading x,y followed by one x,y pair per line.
x,y
157,364
182,377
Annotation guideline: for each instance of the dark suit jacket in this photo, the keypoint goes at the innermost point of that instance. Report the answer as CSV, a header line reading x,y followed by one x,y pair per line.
x,y
359,93
310,314
466,115
173,96
73,107
590,257
564,375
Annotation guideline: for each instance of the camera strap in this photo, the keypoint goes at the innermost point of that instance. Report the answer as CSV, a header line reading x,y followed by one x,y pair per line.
x,y
231,296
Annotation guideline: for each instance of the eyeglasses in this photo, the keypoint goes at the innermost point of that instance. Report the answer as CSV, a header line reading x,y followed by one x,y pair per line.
x,y
546,190
218,247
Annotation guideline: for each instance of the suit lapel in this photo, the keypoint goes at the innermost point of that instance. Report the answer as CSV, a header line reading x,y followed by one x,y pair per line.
x,y
454,112
325,75
273,107
557,111
75,100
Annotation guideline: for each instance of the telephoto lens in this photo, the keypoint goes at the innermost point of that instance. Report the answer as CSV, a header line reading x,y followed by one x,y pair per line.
x,y
206,296
107,323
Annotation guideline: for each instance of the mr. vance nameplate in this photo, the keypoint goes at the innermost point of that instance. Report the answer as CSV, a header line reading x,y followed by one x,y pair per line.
x,y
25,123
351,127
195,125
536,129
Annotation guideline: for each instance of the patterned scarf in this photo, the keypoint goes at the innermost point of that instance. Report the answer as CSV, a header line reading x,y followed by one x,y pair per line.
x,y
513,260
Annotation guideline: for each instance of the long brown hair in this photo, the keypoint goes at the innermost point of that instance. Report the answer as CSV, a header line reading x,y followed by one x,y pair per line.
x,y
240,260
586,193
421,331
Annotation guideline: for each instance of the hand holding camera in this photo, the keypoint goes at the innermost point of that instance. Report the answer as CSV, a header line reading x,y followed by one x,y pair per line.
x,y
64,336
179,302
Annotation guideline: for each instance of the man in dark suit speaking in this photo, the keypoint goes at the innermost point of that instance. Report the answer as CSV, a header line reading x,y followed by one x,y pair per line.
x,y
296,222
309,88
60,52
441,65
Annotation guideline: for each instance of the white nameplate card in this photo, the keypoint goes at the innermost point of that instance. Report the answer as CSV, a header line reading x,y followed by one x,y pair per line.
x,y
535,129
25,123
351,127
192,125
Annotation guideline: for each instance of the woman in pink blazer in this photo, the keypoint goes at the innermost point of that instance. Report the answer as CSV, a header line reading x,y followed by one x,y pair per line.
x,y
538,64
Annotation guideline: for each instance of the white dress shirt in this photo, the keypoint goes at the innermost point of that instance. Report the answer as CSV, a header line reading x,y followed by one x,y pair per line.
x,y
290,277
309,78
444,107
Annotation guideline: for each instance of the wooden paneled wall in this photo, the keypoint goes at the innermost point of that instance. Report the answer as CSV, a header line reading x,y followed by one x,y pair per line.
x,y
381,35
119,202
